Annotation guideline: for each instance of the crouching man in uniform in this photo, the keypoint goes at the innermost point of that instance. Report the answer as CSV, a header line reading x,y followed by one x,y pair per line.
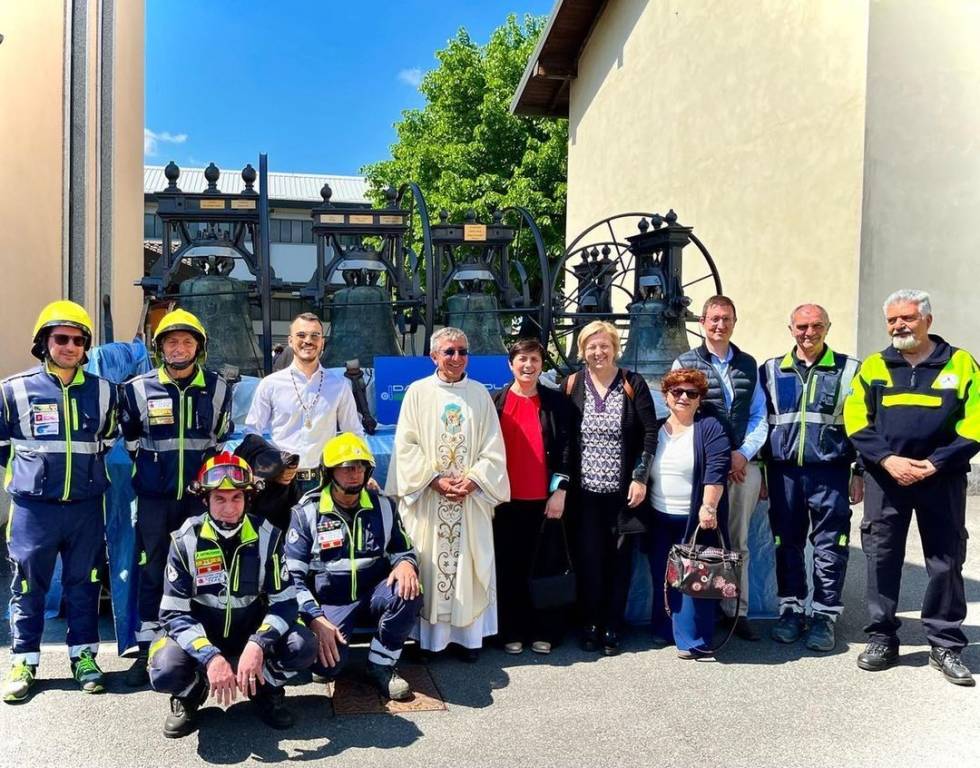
x,y
228,608
354,565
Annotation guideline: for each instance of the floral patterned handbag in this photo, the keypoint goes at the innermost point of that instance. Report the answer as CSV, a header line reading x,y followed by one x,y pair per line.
x,y
704,571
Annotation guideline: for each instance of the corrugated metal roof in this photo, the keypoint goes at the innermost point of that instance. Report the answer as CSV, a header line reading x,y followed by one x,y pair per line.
x,y
282,186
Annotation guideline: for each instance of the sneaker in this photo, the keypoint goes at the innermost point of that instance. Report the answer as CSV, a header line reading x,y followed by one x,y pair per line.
x,y
541,646
513,648
948,661
389,682
877,656
820,635
87,673
789,628
19,680
136,675
270,703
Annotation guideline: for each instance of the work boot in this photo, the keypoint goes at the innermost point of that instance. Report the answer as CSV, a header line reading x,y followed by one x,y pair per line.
x,y
182,719
87,673
389,682
136,675
948,661
270,704
820,636
19,681
877,656
788,628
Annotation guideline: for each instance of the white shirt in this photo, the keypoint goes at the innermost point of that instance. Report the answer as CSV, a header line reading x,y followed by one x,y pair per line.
x,y
673,472
278,410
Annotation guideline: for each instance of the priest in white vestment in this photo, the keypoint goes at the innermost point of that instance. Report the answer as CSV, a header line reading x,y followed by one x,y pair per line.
x,y
448,471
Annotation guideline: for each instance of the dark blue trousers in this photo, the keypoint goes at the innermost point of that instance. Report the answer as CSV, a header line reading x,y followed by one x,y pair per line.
x,y
692,620
156,519
37,532
174,671
813,499
394,618
939,503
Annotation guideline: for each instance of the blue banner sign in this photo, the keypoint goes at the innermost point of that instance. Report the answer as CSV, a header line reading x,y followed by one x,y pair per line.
x,y
392,375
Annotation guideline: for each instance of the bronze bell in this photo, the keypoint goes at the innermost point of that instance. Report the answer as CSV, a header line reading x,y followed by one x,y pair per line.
x,y
221,304
361,327
476,314
656,337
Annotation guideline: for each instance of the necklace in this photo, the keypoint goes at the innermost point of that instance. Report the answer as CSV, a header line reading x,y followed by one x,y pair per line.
x,y
307,410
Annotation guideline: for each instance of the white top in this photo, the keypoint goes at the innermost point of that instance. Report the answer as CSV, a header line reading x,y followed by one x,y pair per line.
x,y
285,401
673,472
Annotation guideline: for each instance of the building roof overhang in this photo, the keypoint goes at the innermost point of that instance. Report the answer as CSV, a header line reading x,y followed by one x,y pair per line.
x,y
544,87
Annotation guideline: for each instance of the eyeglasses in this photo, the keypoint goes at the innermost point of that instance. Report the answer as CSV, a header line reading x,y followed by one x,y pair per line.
x,y
452,352
303,336
64,339
692,394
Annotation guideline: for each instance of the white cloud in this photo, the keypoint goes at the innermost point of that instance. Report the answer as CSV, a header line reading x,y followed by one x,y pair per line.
x,y
411,76
152,139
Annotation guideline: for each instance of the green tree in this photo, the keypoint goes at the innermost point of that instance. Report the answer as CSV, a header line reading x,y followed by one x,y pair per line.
x,y
466,150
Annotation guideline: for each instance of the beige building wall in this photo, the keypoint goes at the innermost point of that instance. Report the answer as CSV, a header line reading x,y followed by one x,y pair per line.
x,y
922,165
749,122
32,135
60,166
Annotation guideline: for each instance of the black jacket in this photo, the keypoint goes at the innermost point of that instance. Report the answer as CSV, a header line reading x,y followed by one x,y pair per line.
x,y
640,429
554,416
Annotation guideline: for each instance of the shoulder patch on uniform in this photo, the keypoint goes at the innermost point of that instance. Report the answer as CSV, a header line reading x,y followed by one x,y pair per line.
x,y
171,572
948,381
292,537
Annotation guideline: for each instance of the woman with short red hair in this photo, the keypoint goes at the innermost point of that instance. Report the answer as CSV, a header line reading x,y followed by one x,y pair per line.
x,y
688,481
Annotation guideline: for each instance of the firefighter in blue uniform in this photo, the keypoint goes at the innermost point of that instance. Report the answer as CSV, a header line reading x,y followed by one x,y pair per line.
x,y
914,416
353,565
57,424
810,478
172,419
228,607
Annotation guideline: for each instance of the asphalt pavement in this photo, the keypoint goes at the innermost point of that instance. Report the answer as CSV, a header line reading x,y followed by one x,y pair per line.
x,y
757,704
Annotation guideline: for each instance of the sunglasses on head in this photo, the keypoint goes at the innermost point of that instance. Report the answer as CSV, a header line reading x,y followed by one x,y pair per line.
x,y
692,394
452,352
64,339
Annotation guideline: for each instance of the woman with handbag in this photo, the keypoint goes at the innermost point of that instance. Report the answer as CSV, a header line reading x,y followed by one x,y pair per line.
x,y
613,436
533,422
690,471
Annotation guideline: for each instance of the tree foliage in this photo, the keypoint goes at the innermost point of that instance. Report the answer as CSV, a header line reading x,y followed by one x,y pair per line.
x,y
466,150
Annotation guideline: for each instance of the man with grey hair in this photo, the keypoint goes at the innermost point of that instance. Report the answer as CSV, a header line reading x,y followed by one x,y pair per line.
x,y
913,414
449,471
808,470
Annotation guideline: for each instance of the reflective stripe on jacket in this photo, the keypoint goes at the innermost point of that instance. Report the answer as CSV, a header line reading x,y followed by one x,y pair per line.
x,y
54,437
931,411
806,410
219,592
335,560
170,431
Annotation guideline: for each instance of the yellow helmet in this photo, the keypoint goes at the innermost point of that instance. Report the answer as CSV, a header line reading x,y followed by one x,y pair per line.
x,y
56,313
181,320
346,449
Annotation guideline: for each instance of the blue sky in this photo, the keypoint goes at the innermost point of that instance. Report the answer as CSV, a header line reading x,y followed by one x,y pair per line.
x,y
316,85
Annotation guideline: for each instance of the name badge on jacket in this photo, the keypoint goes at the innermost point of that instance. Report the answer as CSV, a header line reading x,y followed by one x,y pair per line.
x,y
209,568
160,411
45,420
330,534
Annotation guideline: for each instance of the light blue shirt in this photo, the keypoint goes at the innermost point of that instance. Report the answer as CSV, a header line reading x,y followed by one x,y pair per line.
x,y
757,429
